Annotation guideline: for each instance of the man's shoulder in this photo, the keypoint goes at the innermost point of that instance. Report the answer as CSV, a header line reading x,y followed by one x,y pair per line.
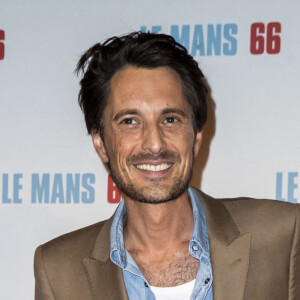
x,y
262,214
78,243
60,264
256,215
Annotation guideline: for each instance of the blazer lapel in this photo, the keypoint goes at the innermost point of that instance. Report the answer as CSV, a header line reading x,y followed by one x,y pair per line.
x,y
229,250
104,277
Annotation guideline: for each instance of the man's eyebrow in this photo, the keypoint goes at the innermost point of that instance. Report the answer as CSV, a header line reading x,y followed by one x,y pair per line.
x,y
136,112
174,111
125,112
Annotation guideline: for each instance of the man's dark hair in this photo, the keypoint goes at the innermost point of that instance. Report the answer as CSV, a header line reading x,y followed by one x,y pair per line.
x,y
145,50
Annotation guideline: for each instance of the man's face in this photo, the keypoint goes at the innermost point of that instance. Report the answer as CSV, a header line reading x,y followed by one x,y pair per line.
x,y
149,141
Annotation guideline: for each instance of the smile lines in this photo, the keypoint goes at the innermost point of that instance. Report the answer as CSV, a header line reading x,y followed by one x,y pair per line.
x,y
155,168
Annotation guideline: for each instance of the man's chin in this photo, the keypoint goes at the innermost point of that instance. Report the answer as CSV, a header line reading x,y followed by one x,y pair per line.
x,y
155,196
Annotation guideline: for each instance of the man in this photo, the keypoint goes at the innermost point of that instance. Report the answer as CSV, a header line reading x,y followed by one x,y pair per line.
x,y
145,105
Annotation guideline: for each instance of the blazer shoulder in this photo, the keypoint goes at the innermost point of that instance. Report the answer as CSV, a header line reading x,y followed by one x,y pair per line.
x,y
250,206
78,243
262,215
58,268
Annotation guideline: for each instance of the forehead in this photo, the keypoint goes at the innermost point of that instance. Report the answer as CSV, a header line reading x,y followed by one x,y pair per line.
x,y
134,88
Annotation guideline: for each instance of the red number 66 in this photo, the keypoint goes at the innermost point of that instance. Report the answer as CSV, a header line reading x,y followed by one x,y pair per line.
x,y
272,38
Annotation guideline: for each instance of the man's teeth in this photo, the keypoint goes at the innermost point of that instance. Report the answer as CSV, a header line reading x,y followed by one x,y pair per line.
x,y
155,168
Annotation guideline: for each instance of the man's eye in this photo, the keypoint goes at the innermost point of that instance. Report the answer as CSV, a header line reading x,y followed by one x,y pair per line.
x,y
170,120
128,121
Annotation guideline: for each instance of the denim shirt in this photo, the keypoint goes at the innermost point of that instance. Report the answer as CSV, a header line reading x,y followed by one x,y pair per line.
x,y
136,285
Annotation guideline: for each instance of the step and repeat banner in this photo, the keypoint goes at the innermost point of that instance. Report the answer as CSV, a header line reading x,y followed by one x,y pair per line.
x,y
51,179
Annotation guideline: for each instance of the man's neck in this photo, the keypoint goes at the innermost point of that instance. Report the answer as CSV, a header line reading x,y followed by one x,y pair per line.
x,y
157,237
158,226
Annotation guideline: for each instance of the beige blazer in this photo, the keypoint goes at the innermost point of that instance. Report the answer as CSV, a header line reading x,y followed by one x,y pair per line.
x,y
254,245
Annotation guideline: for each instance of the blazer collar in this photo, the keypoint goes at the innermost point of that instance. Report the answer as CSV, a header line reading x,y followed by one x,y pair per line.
x,y
104,277
229,250
101,250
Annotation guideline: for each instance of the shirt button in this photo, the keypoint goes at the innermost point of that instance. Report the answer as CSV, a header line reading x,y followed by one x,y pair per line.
x,y
195,248
145,284
207,280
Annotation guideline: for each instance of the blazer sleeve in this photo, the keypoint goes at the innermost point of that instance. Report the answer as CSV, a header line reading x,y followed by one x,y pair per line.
x,y
43,289
294,275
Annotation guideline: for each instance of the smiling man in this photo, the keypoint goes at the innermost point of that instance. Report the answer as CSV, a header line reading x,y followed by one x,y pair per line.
x,y
145,106
149,141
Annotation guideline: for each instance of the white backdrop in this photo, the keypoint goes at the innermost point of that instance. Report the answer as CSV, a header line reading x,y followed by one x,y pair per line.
x,y
53,182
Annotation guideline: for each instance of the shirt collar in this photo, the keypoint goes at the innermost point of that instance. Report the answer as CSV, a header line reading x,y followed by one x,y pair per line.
x,y
199,240
200,234
117,247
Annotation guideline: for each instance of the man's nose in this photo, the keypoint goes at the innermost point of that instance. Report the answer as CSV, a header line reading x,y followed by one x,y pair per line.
x,y
153,139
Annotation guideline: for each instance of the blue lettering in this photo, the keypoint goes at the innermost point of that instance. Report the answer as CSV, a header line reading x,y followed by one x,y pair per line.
x,y
57,189
156,29
17,188
279,186
73,188
292,186
219,40
143,29
5,198
198,41
184,38
40,191
89,196
214,39
230,48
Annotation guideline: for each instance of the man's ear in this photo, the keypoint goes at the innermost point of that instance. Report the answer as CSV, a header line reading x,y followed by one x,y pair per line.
x,y
99,147
197,144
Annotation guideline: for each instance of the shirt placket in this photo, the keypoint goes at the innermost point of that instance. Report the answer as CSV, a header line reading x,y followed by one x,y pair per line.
x,y
204,275
142,287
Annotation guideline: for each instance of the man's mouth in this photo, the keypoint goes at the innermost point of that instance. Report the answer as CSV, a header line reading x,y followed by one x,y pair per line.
x,y
154,168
